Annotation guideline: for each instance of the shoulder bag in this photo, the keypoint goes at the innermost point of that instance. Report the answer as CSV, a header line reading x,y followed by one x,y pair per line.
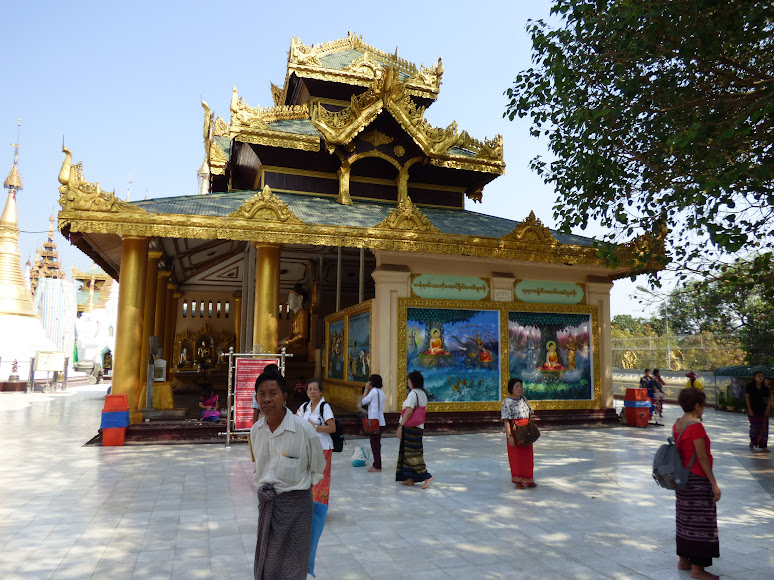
x,y
371,426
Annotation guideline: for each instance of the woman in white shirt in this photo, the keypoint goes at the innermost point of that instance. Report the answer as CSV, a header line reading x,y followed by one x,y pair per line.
x,y
411,461
318,412
374,397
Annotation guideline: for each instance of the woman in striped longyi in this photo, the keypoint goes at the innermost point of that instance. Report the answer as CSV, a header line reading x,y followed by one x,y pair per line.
x,y
696,514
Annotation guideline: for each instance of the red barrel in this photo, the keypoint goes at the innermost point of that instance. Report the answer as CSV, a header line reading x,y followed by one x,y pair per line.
x,y
637,405
115,420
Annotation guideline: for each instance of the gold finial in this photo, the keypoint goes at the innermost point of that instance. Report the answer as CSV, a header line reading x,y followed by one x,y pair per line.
x,y
14,180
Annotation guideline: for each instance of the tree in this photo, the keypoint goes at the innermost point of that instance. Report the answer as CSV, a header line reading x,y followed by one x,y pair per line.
x,y
624,325
740,301
657,112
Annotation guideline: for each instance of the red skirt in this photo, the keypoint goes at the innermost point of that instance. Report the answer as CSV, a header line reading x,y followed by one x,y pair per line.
x,y
521,460
322,489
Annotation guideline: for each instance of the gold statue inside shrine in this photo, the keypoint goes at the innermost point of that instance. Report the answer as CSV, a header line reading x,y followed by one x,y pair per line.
x,y
297,342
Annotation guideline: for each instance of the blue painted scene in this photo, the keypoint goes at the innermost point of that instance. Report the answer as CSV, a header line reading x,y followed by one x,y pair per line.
x,y
457,351
336,349
551,352
359,347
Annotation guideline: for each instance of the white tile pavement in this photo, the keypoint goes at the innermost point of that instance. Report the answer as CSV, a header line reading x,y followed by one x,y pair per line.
x,y
189,511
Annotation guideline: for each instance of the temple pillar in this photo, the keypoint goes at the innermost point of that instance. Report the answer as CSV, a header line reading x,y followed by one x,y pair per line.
x,y
149,311
237,314
160,321
344,172
599,295
267,279
392,281
127,359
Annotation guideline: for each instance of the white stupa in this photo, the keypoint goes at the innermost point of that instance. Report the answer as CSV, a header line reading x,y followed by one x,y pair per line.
x,y
22,334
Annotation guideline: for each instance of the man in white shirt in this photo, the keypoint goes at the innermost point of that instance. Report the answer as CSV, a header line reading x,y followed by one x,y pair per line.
x,y
288,462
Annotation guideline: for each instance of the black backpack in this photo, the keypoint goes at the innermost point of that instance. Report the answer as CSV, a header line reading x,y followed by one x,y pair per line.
x,y
668,469
337,436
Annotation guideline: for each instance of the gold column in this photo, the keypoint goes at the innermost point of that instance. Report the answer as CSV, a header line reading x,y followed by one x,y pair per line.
x,y
147,321
161,303
131,284
267,278
169,327
237,314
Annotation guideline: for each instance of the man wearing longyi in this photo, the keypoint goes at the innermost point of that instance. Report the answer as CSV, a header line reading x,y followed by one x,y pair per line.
x,y
288,462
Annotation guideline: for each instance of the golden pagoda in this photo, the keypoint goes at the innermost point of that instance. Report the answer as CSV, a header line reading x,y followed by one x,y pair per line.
x,y
333,223
46,263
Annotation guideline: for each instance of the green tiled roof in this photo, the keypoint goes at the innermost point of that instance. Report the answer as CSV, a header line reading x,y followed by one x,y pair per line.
x,y
338,60
460,151
297,126
224,143
82,296
326,211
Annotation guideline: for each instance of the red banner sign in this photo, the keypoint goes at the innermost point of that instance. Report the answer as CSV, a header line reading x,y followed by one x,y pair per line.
x,y
245,373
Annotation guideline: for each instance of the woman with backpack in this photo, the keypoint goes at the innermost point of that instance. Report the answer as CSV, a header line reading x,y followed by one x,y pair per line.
x,y
696,513
318,412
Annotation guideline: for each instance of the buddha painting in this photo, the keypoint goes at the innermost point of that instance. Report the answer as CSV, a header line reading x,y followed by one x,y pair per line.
x,y
552,358
436,345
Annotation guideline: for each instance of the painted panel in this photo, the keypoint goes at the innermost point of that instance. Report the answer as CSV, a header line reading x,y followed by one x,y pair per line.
x,y
552,353
336,354
548,292
432,286
359,347
458,352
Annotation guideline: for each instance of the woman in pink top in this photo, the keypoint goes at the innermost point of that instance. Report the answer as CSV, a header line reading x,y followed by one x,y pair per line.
x,y
697,520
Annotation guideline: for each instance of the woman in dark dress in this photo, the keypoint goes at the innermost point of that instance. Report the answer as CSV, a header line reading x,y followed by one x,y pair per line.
x,y
758,398
696,514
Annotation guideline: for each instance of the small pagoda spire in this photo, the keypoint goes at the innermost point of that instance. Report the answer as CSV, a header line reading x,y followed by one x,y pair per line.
x,y
14,296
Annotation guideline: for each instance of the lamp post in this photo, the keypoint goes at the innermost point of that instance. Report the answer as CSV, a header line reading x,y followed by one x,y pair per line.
x,y
666,323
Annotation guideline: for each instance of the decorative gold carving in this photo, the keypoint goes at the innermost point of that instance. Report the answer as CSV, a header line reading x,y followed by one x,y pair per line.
x,y
376,138
486,149
503,308
245,117
76,193
280,139
399,150
220,127
531,230
364,65
429,76
277,95
407,218
266,206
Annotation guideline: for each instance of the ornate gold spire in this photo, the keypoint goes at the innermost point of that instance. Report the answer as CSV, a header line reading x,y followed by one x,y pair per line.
x,y
14,296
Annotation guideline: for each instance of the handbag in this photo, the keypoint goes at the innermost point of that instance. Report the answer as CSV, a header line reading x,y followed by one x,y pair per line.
x,y
371,426
417,417
524,435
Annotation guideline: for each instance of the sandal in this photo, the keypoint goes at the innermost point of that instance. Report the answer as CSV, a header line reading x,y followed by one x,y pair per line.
x,y
518,485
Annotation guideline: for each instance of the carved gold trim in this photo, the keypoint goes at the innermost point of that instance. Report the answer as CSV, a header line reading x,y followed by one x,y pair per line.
x,y
376,138
77,194
503,308
531,231
209,227
305,61
407,218
267,207
280,139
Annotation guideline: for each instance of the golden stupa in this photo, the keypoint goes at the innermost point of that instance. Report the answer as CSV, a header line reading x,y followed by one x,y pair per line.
x,y
15,298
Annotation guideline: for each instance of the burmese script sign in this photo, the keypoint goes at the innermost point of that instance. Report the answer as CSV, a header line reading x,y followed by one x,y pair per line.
x,y
548,292
247,370
432,286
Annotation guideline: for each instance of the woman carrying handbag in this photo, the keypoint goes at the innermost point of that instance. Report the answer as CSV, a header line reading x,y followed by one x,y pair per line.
x,y
374,397
521,432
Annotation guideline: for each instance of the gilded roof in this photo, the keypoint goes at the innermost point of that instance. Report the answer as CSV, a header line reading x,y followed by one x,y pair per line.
x,y
316,210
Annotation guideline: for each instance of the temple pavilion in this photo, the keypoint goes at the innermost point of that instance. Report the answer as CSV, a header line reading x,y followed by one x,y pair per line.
x,y
334,224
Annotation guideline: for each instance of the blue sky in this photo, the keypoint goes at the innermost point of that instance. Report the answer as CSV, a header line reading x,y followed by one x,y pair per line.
x,y
122,82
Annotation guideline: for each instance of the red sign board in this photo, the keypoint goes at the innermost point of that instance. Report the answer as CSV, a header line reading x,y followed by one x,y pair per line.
x,y
245,373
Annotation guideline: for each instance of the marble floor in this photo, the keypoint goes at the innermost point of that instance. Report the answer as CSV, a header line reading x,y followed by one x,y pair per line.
x,y
185,511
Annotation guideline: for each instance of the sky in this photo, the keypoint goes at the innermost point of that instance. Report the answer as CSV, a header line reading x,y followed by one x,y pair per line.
x,y
122,84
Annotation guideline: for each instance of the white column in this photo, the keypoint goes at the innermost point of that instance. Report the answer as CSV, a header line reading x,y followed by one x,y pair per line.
x,y
391,283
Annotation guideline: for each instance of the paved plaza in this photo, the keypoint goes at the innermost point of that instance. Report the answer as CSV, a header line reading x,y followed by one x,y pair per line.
x,y
189,511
